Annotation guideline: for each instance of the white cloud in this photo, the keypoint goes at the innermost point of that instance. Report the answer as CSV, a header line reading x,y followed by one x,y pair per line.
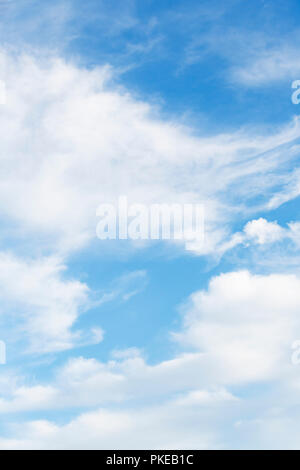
x,y
269,65
45,305
124,379
191,422
75,145
245,324
290,190
123,288
263,231
240,331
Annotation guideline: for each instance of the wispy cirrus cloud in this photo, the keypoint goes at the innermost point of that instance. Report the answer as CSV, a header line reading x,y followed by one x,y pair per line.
x,y
268,66
75,145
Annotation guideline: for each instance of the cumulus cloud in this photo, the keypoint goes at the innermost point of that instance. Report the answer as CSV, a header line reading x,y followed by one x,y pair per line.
x,y
190,423
125,379
263,233
245,324
239,332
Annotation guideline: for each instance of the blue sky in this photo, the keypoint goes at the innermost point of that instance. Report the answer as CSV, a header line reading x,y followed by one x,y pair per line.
x,y
157,344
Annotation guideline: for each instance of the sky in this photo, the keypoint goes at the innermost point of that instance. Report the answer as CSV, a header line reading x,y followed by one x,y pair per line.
x,y
149,344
